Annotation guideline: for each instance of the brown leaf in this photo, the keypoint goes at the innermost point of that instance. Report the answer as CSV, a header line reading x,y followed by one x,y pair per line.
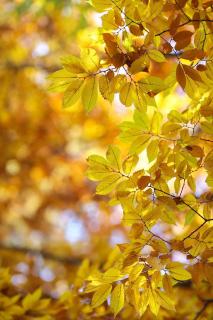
x,y
195,151
181,35
193,54
174,24
182,39
196,17
135,29
181,3
192,73
201,67
180,75
143,182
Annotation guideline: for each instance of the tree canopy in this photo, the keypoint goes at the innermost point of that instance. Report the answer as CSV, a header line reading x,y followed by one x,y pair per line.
x,y
107,161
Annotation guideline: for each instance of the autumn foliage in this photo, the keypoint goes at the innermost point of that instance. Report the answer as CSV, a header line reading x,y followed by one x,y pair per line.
x,y
128,233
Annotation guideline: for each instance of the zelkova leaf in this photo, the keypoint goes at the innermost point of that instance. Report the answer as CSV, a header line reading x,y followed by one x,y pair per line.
x,y
178,272
60,80
117,299
156,55
192,73
105,88
129,163
112,275
31,299
101,295
142,120
89,60
101,5
108,183
153,302
139,144
165,300
72,64
73,93
90,93
126,94
143,182
113,156
152,150
98,168
181,78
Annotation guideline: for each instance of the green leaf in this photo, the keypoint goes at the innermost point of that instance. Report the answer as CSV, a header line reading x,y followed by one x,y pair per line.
x,y
142,120
139,144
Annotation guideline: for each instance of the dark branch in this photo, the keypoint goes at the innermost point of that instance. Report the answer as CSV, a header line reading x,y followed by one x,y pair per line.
x,y
44,254
184,24
17,67
207,302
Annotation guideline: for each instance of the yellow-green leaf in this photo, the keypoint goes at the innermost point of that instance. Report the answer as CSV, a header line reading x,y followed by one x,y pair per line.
x,y
73,92
156,55
90,93
117,299
113,156
129,163
108,183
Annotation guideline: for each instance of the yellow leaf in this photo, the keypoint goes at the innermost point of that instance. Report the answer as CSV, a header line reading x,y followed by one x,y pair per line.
x,y
156,55
136,271
113,156
31,299
156,122
152,150
165,301
139,144
167,284
153,302
90,93
105,88
112,275
72,64
101,295
129,163
117,299
73,92
108,183
126,94
89,60
101,5
177,272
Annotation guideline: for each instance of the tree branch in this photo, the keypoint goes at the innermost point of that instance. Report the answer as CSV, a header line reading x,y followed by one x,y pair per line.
x,y
17,67
184,24
207,302
46,255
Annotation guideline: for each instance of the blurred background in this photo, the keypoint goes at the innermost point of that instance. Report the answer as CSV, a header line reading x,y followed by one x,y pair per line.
x,y
50,218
